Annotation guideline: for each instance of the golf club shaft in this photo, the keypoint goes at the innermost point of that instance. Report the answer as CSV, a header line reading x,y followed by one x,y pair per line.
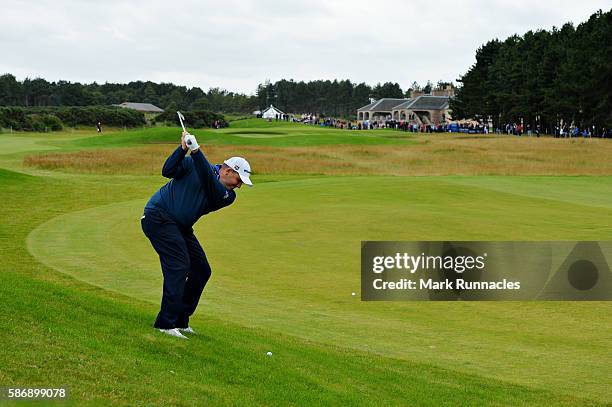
x,y
180,116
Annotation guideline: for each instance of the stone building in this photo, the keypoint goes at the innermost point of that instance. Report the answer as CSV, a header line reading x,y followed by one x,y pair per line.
x,y
421,110
378,111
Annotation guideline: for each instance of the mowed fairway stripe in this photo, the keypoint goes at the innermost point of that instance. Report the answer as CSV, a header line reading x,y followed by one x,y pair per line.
x,y
581,190
286,258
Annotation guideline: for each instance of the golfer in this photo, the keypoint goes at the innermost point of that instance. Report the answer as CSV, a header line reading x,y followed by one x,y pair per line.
x,y
195,189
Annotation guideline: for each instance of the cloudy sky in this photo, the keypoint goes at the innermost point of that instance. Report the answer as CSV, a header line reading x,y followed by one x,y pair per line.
x,y
237,44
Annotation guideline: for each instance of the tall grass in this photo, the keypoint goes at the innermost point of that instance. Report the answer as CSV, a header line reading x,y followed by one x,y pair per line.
x,y
430,155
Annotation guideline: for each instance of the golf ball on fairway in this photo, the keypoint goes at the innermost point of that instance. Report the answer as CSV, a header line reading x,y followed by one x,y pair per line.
x,y
353,294
269,353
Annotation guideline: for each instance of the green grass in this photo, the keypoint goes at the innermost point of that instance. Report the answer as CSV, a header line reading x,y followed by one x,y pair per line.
x,y
278,135
96,346
263,124
82,284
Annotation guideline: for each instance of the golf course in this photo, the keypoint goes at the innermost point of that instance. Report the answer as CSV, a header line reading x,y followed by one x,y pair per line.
x,y
82,284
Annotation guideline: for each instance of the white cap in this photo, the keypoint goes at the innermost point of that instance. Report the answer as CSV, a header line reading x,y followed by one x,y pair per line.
x,y
242,167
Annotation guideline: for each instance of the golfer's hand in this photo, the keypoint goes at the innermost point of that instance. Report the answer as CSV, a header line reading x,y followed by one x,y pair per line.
x,y
183,144
191,142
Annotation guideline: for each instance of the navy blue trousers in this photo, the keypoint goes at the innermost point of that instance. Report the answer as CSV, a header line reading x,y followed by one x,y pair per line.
x,y
184,266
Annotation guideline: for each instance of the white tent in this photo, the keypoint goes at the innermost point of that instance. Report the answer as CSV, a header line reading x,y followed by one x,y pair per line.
x,y
271,113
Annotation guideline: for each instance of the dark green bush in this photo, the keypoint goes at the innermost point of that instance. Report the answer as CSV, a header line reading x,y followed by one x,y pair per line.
x,y
53,118
13,117
42,122
193,118
108,116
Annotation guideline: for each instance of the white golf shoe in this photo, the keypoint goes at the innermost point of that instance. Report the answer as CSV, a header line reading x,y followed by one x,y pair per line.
x,y
173,332
188,330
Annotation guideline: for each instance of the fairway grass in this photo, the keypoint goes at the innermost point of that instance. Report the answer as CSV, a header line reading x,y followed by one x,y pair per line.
x,y
85,282
297,274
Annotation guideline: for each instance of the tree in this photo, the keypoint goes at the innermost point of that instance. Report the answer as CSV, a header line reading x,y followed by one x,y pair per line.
x,y
388,90
10,90
473,97
548,76
149,95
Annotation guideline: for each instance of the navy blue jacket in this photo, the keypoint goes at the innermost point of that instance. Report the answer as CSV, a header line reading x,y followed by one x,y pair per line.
x,y
193,191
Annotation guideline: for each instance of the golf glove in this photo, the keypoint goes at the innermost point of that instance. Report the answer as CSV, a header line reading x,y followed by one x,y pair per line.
x,y
191,142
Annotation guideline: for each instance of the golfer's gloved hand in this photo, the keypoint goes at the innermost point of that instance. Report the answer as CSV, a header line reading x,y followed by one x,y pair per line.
x,y
191,142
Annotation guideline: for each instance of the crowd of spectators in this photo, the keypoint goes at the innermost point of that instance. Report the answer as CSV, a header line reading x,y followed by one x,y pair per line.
x,y
517,129
584,132
565,131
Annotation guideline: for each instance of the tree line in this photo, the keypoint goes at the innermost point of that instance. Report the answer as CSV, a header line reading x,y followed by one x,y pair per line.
x,y
547,78
38,92
332,98
338,98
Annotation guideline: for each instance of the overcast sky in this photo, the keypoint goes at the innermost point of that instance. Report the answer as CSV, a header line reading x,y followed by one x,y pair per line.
x,y
236,45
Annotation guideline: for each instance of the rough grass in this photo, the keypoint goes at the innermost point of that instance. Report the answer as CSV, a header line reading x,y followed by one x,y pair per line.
x,y
431,155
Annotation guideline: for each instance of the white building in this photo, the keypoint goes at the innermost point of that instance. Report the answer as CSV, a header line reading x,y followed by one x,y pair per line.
x,y
272,113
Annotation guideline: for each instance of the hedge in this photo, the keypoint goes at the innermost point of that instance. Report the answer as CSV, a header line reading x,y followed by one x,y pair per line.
x,y
53,118
193,118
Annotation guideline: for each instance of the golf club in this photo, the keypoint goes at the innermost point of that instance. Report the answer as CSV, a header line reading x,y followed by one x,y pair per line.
x,y
181,118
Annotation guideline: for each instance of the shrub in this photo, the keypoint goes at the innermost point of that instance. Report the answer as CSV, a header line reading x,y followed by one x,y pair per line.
x,y
193,118
42,122
53,118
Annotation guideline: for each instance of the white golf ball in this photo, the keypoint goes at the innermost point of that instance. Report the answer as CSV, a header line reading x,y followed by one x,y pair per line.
x,y
269,353
353,294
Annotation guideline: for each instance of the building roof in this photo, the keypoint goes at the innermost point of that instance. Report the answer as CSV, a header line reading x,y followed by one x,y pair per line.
x,y
429,103
142,107
383,105
368,106
386,104
273,110
404,105
419,103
